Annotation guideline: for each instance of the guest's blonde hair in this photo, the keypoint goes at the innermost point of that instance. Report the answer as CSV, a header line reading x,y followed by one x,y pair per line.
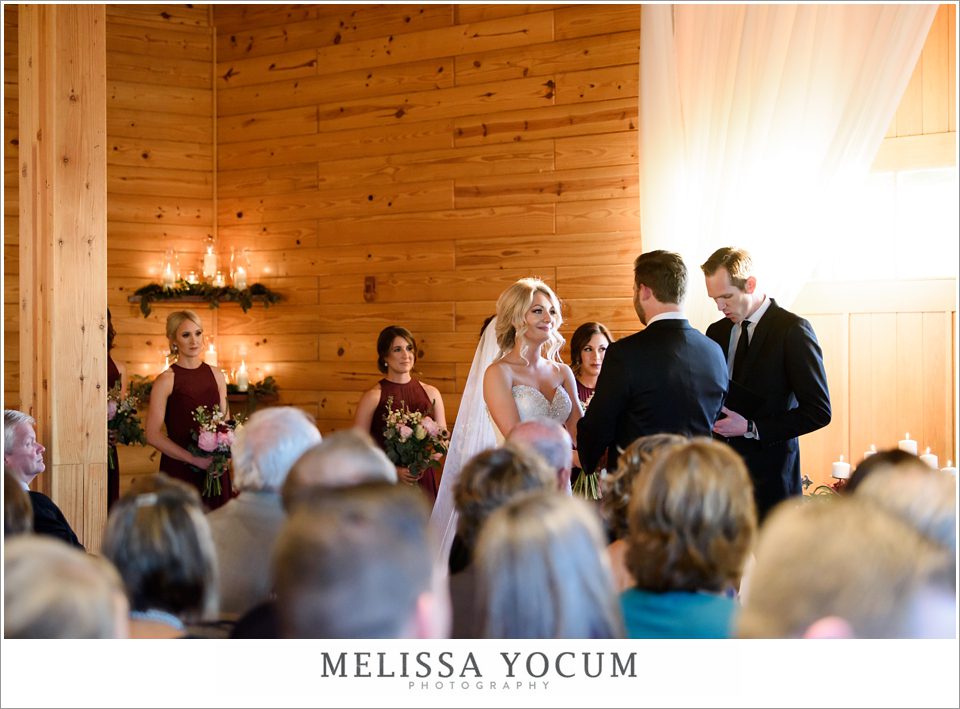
x,y
692,519
512,307
175,320
543,571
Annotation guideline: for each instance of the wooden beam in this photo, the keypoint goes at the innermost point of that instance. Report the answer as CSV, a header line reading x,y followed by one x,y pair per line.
x,y
63,253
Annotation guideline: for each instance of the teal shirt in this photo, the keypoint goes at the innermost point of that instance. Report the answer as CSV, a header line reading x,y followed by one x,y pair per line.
x,y
677,614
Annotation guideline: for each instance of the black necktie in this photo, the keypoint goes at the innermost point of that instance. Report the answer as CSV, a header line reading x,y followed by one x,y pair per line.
x,y
741,354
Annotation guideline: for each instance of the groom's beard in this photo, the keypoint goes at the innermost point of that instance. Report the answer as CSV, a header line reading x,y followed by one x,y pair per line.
x,y
640,312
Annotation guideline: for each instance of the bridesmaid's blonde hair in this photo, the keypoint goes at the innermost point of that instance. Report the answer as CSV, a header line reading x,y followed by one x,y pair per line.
x,y
513,305
175,320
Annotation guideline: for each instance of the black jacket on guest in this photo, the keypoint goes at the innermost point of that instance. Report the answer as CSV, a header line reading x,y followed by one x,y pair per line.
x,y
49,520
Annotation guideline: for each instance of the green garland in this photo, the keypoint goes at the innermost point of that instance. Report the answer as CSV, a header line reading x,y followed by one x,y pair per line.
x,y
265,387
214,295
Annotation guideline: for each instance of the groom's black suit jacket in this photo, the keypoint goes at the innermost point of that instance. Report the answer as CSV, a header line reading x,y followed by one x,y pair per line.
x,y
668,378
784,392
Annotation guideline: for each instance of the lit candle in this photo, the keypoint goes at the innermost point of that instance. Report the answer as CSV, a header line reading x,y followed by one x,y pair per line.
x,y
930,459
951,468
872,451
211,356
168,276
209,263
218,280
240,278
192,277
243,381
908,445
841,470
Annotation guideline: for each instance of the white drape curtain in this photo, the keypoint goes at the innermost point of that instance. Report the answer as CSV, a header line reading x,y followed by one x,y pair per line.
x,y
754,119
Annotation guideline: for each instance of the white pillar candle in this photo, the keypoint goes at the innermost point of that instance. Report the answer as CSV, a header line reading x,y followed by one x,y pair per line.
x,y
841,470
951,468
243,380
192,277
210,357
872,451
930,459
240,278
168,279
908,444
209,263
218,280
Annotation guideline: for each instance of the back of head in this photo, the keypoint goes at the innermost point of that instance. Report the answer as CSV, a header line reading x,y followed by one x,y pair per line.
x,y
161,544
692,519
543,571
922,497
840,559
490,479
548,439
267,446
54,591
342,459
617,490
664,273
17,510
512,307
354,563
878,461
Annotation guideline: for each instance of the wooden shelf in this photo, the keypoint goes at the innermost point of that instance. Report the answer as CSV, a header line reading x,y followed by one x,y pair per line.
x,y
244,396
194,299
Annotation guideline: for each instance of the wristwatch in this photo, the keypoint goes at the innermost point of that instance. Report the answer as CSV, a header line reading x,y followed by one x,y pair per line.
x,y
751,430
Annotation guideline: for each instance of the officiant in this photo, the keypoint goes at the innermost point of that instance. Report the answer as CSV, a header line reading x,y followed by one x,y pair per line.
x,y
778,386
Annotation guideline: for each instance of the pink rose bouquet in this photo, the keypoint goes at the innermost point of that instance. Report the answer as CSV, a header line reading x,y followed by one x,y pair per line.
x,y
212,439
413,440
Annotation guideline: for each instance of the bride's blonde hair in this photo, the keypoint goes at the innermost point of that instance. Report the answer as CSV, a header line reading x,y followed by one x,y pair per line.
x,y
513,305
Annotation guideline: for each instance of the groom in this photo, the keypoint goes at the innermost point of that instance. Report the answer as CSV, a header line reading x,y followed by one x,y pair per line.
x,y
667,378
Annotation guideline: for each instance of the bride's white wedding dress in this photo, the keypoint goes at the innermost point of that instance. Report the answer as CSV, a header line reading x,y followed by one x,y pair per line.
x,y
475,432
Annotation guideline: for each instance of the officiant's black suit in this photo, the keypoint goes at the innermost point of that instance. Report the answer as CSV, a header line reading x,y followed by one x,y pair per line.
x,y
668,378
784,392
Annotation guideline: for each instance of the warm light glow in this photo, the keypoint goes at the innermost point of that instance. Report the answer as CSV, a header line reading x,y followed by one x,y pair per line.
x,y
240,278
243,379
211,356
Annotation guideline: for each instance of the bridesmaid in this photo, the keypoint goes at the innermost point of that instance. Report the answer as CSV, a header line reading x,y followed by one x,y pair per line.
x,y
176,393
396,357
588,346
114,377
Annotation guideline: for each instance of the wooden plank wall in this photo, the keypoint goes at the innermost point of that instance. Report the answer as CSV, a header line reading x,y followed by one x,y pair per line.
x,y
890,353
160,173
442,151
923,132
11,211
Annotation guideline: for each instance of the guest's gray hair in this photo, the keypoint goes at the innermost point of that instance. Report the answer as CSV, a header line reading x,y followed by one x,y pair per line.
x,y
548,438
11,419
268,445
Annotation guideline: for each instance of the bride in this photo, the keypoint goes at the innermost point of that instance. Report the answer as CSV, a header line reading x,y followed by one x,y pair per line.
x,y
516,375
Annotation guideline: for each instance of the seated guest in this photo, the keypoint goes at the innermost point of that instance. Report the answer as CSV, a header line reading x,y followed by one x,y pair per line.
x,y
488,481
17,512
882,459
922,497
542,571
357,563
245,529
845,568
692,522
616,498
160,542
52,591
23,458
552,442
342,459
